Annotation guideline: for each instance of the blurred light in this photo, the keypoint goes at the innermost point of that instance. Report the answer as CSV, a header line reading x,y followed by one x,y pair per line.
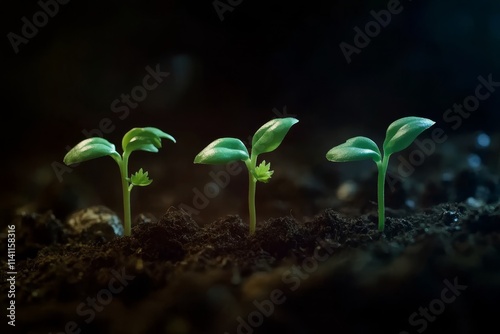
x,y
483,140
474,161
471,201
347,190
447,176
410,203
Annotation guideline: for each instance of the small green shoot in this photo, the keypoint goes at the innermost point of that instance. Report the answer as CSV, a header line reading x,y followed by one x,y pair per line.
x,y
266,139
400,134
137,139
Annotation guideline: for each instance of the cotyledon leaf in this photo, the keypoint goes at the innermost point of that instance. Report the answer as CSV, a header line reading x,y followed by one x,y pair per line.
x,y
221,151
354,149
88,149
402,132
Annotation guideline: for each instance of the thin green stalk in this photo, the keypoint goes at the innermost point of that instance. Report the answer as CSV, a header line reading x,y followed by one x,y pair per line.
x,y
252,182
127,217
382,170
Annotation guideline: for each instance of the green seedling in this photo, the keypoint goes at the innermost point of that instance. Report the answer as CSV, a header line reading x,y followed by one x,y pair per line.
x,y
137,139
400,134
225,150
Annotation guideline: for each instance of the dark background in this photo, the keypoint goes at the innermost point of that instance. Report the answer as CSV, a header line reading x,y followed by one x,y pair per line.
x,y
226,79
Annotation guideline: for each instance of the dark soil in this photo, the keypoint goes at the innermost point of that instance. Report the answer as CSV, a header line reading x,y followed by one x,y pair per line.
x,y
435,270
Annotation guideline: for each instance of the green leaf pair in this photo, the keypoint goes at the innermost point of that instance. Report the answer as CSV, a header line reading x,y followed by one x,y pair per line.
x,y
400,134
137,139
266,139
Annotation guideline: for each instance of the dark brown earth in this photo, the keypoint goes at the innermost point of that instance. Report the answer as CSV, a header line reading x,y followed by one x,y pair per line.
x,y
435,270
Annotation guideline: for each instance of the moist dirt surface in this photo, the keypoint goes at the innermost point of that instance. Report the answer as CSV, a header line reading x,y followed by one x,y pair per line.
x,y
432,270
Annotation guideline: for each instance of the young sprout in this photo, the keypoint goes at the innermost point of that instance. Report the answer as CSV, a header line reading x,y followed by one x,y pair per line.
x,y
400,134
137,139
225,150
